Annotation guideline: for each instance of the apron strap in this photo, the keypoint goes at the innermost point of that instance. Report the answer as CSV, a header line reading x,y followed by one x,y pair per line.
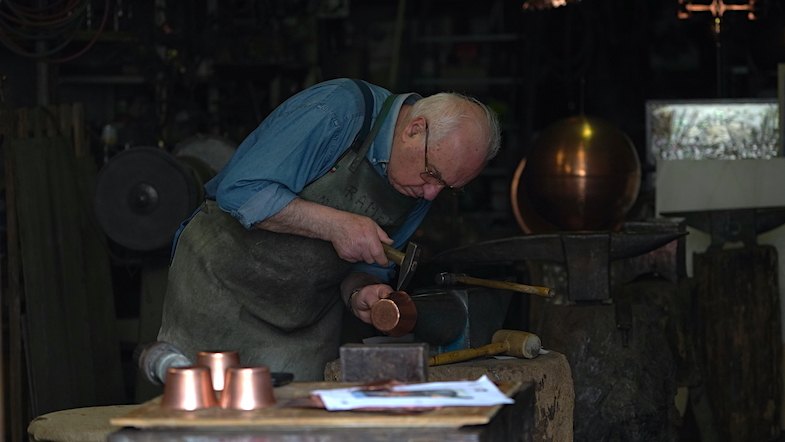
x,y
366,143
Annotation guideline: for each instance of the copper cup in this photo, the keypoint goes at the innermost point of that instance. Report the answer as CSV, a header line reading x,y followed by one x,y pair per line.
x,y
395,315
188,388
218,362
248,388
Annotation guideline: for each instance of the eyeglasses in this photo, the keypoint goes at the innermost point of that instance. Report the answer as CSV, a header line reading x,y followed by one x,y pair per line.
x,y
431,175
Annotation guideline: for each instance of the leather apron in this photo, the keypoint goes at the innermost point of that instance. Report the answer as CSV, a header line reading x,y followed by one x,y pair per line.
x,y
272,297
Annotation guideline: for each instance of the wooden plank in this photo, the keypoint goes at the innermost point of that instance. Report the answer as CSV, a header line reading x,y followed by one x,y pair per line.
x,y
96,277
37,129
151,414
81,148
68,258
47,332
69,310
51,121
64,120
69,306
739,340
3,394
13,268
22,123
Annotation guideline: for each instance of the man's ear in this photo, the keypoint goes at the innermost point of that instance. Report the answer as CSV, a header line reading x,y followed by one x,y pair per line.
x,y
415,127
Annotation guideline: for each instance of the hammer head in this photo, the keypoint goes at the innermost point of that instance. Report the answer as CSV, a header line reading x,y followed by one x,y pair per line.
x,y
408,265
520,344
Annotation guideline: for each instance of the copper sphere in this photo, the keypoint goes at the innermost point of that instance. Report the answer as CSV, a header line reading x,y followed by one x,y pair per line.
x,y
582,173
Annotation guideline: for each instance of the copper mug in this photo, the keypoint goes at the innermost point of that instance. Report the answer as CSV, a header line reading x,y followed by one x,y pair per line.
x,y
218,362
248,388
188,388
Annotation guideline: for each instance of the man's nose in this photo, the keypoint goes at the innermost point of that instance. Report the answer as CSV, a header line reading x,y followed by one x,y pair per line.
x,y
430,191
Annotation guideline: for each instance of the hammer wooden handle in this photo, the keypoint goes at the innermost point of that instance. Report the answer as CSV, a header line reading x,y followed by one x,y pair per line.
x,y
393,254
469,353
504,285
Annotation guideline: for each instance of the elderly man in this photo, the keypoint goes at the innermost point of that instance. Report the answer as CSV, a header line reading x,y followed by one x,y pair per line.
x,y
296,220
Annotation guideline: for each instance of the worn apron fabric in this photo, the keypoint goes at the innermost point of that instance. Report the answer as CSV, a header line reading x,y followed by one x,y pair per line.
x,y
352,185
273,297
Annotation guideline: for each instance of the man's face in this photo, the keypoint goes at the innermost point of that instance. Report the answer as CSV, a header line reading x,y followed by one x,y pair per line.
x,y
421,167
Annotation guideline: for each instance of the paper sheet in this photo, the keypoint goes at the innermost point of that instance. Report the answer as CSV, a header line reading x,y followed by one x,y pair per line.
x,y
481,392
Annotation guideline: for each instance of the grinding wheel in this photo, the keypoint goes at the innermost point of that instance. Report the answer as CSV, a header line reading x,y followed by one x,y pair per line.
x,y
142,196
212,150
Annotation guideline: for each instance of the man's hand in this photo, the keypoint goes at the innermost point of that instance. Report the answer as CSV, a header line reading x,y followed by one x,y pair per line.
x,y
354,237
359,238
362,301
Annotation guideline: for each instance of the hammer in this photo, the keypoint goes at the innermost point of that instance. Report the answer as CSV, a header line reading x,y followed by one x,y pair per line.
x,y
453,278
516,343
407,262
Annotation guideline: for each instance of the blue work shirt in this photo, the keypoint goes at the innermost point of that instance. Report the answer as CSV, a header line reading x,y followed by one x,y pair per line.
x,y
298,143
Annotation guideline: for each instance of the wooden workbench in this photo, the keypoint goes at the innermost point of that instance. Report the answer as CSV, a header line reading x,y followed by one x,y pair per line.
x,y
284,422
554,393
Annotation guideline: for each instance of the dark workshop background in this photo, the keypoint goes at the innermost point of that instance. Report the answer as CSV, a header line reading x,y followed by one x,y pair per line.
x,y
156,73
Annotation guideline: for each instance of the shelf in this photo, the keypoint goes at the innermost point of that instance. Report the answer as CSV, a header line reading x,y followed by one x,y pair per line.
x,y
480,38
102,79
468,80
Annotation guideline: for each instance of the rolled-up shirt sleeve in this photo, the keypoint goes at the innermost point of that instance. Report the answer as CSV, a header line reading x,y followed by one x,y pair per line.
x,y
296,144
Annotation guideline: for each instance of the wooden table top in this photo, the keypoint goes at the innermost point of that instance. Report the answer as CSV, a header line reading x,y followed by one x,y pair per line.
x,y
286,415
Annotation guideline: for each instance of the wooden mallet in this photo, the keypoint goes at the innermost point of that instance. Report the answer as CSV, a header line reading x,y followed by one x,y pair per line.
x,y
516,343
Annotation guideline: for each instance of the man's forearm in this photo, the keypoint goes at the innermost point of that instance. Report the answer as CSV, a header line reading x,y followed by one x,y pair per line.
x,y
303,218
354,237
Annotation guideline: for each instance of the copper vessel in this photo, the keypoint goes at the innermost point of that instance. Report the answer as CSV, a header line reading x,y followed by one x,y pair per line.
x,y
248,388
582,173
395,315
188,388
218,362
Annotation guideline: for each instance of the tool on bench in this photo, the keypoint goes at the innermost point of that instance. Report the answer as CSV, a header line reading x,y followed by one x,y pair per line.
x,y
516,343
154,360
403,362
407,262
454,278
444,316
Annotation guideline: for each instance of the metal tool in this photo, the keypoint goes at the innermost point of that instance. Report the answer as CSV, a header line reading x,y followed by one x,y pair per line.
x,y
407,262
143,194
454,278
516,343
444,316
403,362
154,360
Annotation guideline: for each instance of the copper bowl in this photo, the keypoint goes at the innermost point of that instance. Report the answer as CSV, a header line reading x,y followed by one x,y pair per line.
x,y
188,388
248,388
395,315
218,362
